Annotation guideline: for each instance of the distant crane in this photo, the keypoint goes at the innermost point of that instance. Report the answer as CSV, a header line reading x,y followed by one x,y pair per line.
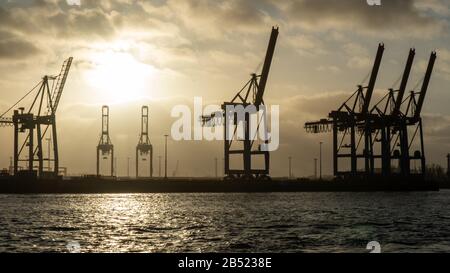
x,y
347,119
255,88
386,125
105,146
411,118
35,123
384,118
144,149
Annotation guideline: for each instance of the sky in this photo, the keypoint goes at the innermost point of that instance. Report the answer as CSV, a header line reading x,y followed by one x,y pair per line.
x,y
161,53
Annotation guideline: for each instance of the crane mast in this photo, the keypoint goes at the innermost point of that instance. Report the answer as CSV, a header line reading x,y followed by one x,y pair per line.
x,y
373,79
390,126
402,89
251,94
426,82
144,148
60,82
105,148
382,124
266,67
35,123
412,119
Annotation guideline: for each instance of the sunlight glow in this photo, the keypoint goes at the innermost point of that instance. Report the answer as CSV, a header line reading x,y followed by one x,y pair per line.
x,y
119,77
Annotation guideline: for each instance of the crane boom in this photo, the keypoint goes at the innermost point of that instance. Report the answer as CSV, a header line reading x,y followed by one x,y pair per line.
x,y
425,84
61,81
401,91
266,67
373,78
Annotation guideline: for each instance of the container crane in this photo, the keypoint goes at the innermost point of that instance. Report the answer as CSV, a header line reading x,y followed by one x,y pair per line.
x,y
35,123
412,119
387,125
350,118
144,149
252,94
105,148
383,119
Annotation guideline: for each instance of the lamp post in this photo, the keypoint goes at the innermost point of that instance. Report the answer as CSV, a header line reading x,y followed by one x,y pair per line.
x,y
165,157
320,160
48,147
115,166
290,167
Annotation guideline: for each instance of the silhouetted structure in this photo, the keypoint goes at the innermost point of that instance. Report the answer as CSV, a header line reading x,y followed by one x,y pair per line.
x,y
165,156
448,164
380,129
105,146
384,120
144,149
232,120
35,123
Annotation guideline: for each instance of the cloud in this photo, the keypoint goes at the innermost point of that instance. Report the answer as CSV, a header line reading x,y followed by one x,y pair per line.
x,y
358,56
443,63
437,127
328,68
213,19
83,23
393,16
306,45
440,7
13,46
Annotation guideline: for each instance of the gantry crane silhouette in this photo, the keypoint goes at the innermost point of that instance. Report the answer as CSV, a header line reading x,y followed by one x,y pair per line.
x,y
250,95
105,148
375,135
144,148
34,123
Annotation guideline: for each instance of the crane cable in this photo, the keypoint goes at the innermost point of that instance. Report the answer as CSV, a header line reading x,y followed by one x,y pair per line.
x,y
29,92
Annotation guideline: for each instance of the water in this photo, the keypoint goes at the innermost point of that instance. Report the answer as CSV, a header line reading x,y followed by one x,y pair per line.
x,y
247,222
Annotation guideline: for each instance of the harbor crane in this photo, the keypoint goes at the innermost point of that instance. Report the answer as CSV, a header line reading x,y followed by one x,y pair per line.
x,y
385,117
144,148
349,119
246,148
382,129
105,148
35,123
411,119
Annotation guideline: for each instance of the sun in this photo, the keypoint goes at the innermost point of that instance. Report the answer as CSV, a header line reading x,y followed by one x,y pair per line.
x,y
118,77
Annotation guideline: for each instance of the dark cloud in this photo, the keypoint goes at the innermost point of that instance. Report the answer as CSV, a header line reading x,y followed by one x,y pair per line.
x,y
85,23
357,14
437,126
47,18
225,16
15,47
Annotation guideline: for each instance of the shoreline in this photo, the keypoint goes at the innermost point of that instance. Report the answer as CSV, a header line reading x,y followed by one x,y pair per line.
x,y
198,185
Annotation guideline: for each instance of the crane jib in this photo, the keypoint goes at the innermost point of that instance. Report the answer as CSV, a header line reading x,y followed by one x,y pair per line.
x,y
266,67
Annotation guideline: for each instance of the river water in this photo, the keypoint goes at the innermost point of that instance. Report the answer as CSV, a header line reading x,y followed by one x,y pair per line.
x,y
232,222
